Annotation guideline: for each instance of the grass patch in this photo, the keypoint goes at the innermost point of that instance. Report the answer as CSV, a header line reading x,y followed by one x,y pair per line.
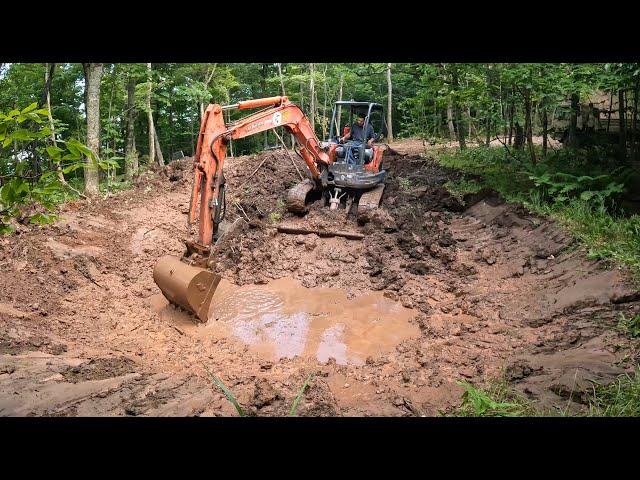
x,y
589,215
460,188
619,399
498,399
630,325
276,215
243,413
405,184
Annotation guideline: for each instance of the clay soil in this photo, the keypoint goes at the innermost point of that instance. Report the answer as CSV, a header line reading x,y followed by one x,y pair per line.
x,y
496,293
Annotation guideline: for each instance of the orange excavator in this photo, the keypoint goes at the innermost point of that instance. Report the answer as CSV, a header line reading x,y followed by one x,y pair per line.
x,y
352,169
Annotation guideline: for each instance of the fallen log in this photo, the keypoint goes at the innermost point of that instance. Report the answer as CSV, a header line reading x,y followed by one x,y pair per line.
x,y
319,232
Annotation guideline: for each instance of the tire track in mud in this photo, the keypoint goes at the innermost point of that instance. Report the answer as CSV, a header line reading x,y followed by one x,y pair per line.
x,y
84,330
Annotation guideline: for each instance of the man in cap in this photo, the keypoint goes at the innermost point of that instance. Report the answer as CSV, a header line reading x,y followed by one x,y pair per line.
x,y
358,136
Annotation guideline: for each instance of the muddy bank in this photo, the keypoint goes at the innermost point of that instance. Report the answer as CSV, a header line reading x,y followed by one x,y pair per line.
x,y
492,289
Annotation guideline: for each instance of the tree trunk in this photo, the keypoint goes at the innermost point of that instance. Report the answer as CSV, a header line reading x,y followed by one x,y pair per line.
x,y
389,105
170,121
263,88
609,113
114,77
512,111
634,123
193,139
302,96
151,130
324,104
48,72
207,80
130,154
452,131
456,112
545,129
460,129
93,76
573,125
47,85
487,122
472,129
339,114
312,96
623,129
281,80
292,138
528,125
230,141
158,149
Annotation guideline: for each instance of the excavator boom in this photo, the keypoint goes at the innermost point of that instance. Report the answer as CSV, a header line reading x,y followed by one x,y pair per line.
x,y
185,283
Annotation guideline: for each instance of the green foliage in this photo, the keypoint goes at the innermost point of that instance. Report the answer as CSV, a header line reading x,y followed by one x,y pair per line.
x,y
276,215
561,187
294,406
499,400
23,153
405,184
605,234
460,188
619,399
630,325
229,395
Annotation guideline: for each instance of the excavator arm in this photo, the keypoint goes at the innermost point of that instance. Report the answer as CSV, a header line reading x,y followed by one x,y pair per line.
x,y
208,187
188,281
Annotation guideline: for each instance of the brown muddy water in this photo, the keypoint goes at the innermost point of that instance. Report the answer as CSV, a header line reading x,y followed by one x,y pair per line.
x,y
284,319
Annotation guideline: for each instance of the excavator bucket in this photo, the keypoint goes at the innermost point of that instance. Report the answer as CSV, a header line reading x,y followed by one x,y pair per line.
x,y
190,287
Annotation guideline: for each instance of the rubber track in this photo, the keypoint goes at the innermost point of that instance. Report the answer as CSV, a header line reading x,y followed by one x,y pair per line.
x,y
297,196
370,200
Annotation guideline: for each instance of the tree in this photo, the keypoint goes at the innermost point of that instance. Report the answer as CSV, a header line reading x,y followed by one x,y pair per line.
x,y
151,128
131,155
93,77
389,104
312,96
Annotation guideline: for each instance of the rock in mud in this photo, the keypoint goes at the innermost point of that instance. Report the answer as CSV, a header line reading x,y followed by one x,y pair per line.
x,y
622,293
380,218
264,394
418,268
519,370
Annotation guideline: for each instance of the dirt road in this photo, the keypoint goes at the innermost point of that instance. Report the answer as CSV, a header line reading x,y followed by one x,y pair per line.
x,y
437,292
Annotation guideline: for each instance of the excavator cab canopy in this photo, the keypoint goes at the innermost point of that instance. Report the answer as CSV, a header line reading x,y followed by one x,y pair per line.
x,y
345,114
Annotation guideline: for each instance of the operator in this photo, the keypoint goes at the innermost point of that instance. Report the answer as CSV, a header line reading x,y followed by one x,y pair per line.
x,y
357,135
357,131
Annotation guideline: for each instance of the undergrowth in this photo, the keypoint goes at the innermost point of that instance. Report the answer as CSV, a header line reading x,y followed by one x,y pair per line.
x,y
586,205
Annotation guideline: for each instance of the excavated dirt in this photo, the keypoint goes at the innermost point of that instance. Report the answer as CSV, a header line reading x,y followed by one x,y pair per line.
x,y
438,291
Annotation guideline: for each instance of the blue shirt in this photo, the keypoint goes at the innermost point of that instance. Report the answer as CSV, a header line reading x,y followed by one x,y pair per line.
x,y
357,132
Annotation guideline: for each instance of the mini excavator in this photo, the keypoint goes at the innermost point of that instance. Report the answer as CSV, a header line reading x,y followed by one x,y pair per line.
x,y
345,173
